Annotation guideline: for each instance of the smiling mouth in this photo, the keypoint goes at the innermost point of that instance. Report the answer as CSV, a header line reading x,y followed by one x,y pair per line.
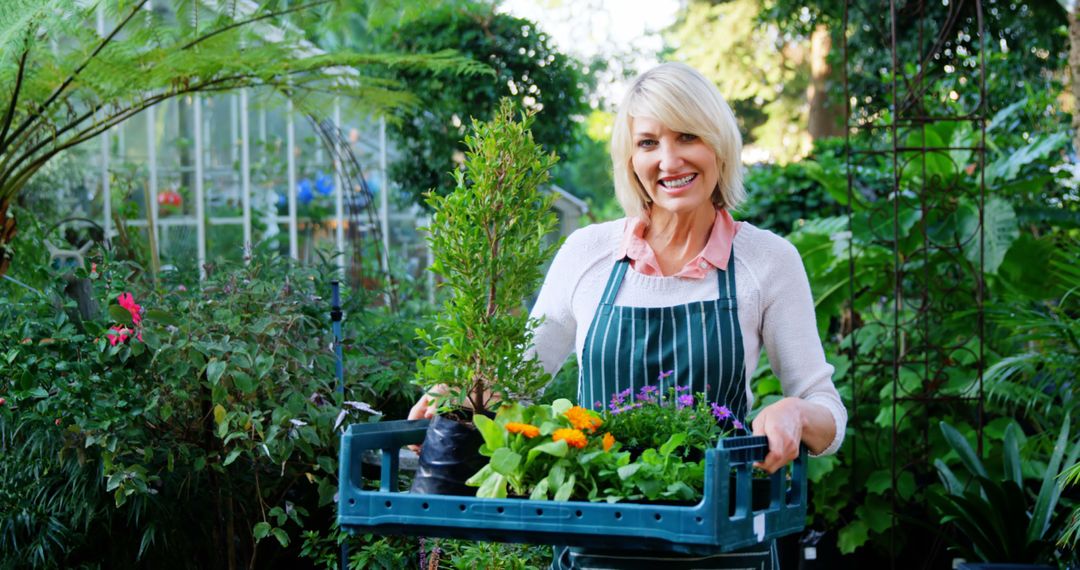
x,y
678,182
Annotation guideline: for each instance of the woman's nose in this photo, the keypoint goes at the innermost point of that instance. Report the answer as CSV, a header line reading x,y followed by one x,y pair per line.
x,y
670,158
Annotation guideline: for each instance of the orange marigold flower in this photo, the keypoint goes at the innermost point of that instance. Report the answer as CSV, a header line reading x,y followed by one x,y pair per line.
x,y
527,430
572,437
609,440
580,418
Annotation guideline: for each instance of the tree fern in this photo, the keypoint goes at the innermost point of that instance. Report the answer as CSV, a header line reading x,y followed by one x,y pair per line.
x,y
62,84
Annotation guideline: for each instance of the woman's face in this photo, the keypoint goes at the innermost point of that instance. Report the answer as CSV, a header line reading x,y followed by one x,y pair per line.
x,y
678,170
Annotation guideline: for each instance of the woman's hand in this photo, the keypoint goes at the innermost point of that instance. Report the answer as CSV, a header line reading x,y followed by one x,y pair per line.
x,y
423,408
788,423
782,423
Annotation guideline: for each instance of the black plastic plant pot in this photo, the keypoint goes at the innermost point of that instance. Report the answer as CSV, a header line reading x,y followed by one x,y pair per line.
x,y
449,455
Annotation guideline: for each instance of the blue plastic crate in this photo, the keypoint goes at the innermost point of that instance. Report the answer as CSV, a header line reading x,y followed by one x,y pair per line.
x,y
712,525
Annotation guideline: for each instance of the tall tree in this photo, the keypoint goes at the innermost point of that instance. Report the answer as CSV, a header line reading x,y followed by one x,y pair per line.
x,y
778,80
527,68
62,83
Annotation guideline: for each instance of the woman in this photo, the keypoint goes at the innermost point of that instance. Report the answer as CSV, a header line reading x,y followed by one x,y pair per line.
x,y
678,285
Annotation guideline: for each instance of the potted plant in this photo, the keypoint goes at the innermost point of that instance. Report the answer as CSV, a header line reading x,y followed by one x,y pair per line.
x,y
488,238
999,523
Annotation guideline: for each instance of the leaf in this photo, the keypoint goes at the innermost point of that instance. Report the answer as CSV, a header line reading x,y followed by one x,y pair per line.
x,y
963,449
1000,230
261,530
559,407
566,489
1007,166
553,448
948,478
494,487
505,461
480,476
878,516
162,317
879,482
281,536
214,369
905,485
628,471
834,181
494,433
818,467
1049,491
219,414
540,493
1011,453
232,456
673,443
853,536
244,382
120,315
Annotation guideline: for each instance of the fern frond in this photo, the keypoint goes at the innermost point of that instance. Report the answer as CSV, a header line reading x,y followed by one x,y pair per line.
x,y
76,84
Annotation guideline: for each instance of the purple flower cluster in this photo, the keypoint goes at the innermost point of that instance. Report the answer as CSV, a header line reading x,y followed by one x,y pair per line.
x,y
684,401
722,413
646,394
616,405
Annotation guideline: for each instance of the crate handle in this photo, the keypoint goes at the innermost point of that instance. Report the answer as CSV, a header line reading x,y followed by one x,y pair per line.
x,y
387,437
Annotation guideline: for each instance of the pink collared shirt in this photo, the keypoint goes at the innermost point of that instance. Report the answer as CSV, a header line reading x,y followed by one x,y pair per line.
x,y
715,254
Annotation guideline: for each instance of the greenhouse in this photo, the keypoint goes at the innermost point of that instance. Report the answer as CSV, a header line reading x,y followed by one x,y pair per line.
x,y
514,284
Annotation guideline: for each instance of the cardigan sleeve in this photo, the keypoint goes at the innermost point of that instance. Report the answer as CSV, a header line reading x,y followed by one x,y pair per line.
x,y
789,333
553,338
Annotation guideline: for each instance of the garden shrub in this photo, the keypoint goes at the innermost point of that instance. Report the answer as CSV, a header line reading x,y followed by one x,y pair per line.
x,y
181,426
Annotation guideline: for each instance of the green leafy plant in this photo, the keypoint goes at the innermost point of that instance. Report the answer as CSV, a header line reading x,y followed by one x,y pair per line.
x,y
558,452
650,419
536,450
994,514
488,243
1070,536
206,414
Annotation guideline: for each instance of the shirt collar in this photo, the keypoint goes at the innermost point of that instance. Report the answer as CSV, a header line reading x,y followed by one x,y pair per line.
x,y
717,251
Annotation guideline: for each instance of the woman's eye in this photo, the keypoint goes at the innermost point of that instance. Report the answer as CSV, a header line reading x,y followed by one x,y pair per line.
x,y
646,143
687,137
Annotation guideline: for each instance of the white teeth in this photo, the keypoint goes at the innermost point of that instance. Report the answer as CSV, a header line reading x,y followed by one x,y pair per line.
x,y
678,182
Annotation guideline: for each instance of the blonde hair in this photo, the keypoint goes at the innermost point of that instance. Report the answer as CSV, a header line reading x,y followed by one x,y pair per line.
x,y
684,101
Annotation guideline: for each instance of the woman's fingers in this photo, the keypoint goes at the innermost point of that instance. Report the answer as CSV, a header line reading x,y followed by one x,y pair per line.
x,y
781,423
421,410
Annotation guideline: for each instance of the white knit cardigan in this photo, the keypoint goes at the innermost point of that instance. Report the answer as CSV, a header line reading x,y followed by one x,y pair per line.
x,y
776,309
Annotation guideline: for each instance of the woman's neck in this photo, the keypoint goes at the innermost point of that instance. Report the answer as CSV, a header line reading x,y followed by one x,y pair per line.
x,y
676,238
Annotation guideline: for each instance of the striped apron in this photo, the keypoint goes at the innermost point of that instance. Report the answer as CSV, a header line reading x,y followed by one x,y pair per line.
x,y
630,347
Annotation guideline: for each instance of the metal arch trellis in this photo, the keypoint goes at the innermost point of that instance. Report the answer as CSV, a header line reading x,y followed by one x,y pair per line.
x,y
900,331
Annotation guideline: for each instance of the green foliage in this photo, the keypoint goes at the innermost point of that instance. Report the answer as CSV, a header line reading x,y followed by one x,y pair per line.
x,y
649,418
215,418
751,65
555,452
400,552
525,67
585,170
487,240
929,232
781,197
1070,536
993,513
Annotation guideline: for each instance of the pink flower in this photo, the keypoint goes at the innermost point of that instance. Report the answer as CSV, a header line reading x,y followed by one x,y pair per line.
x,y
119,335
128,302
